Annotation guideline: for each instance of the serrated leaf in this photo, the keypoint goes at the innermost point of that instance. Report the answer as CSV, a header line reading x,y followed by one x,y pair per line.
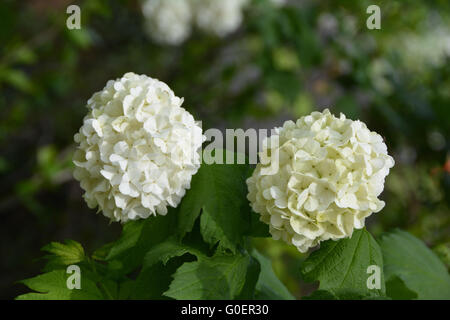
x,y
137,238
341,266
409,259
53,286
220,277
167,250
269,287
219,191
63,254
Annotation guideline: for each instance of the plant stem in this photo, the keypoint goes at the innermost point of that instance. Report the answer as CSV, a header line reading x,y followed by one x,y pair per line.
x,y
104,289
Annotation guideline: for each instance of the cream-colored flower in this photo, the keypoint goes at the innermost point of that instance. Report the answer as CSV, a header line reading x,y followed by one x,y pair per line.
x,y
168,21
330,174
137,149
219,17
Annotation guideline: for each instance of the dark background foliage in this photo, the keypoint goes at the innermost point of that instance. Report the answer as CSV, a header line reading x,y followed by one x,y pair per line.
x,y
281,64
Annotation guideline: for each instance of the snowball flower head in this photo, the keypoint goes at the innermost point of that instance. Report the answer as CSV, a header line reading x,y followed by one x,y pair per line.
x,y
137,149
219,17
168,21
330,174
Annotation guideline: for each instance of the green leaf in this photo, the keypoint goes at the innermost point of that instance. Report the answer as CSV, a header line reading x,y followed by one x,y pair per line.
x,y
257,227
409,259
53,286
219,191
158,267
341,266
153,281
221,277
192,203
167,250
342,295
17,79
125,289
102,253
321,295
137,238
251,278
269,287
63,254
397,290
442,250
81,37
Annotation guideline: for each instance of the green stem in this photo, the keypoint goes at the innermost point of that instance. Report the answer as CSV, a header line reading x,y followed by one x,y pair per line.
x,y
102,287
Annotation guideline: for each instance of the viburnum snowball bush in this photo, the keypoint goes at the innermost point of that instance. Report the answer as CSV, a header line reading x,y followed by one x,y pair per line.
x,y
168,21
138,149
171,21
330,174
219,17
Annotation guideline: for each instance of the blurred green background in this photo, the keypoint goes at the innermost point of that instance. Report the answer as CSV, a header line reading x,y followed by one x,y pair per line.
x,y
282,63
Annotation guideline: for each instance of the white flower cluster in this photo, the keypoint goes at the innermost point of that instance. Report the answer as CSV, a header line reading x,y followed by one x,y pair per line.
x,y
170,21
138,149
420,50
330,173
219,17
